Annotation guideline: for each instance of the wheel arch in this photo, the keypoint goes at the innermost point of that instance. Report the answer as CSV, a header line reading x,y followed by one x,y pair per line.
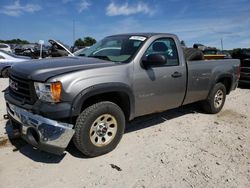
x,y
119,93
226,80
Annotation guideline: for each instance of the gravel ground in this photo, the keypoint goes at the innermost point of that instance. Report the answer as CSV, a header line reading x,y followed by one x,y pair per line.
x,y
3,84
177,148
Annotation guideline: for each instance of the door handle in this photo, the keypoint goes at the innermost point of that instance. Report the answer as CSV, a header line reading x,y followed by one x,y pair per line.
x,y
176,75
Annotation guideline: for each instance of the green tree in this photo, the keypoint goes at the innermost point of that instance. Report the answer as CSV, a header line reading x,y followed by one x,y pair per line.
x,y
89,41
15,41
79,43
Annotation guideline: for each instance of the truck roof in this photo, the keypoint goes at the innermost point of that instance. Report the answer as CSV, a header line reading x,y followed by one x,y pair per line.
x,y
144,34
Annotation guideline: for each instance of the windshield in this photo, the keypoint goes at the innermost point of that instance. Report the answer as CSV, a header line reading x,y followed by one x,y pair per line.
x,y
115,48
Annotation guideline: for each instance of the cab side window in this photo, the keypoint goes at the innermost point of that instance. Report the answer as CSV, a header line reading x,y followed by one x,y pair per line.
x,y
165,47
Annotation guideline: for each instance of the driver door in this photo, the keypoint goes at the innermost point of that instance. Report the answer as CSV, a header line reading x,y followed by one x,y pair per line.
x,y
159,88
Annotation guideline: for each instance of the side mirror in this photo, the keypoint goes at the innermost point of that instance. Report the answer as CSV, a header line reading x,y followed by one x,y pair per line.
x,y
153,60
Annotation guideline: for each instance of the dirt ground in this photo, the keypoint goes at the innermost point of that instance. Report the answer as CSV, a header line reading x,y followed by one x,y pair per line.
x,y
177,148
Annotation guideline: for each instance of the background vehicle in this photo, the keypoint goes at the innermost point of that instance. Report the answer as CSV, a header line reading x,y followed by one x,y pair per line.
x,y
8,59
24,49
58,49
213,53
226,53
91,98
80,52
199,46
5,47
244,56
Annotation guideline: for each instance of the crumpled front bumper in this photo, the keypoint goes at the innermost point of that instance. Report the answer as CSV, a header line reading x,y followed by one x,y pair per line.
x,y
43,133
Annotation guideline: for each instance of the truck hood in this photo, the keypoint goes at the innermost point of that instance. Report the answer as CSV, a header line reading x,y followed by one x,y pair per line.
x,y
41,70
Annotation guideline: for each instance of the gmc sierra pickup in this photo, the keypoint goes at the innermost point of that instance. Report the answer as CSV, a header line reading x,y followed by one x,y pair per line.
x,y
89,99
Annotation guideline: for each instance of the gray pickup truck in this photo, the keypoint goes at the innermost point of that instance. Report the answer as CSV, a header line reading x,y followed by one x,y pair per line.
x,y
89,99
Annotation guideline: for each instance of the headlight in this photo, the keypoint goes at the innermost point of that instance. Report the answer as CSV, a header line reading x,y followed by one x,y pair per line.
x,y
50,92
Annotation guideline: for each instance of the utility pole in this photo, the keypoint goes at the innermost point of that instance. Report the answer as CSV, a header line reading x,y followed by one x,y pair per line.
x,y
73,31
221,42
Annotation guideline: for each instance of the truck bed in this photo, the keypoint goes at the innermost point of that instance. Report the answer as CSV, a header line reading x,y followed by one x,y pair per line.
x,y
200,73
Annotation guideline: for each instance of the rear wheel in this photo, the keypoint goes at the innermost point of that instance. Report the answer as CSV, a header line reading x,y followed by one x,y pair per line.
x,y
216,99
99,128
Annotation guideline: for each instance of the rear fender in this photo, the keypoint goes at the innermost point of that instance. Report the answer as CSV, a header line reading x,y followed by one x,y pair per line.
x,y
220,77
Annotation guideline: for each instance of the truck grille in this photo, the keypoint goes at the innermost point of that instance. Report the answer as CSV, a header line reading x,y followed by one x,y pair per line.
x,y
22,90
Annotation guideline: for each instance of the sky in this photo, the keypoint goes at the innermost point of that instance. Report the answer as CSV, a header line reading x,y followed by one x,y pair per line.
x,y
194,21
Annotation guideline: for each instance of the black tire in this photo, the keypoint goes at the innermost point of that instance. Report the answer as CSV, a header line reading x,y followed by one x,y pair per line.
x,y
5,73
209,105
85,123
193,54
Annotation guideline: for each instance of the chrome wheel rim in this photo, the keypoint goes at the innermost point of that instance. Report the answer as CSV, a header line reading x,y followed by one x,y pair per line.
x,y
218,99
103,130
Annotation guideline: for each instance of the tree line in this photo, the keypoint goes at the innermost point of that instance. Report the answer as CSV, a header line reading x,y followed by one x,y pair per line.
x,y
15,41
86,41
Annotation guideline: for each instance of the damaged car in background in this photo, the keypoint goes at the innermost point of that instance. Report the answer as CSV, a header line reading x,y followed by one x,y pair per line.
x,y
55,49
244,56
31,51
7,59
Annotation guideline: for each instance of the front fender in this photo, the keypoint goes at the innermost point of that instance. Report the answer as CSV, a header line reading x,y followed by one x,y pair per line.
x,y
102,89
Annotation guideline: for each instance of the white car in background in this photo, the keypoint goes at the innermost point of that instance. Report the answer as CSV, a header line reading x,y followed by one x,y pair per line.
x,y
7,59
5,47
81,51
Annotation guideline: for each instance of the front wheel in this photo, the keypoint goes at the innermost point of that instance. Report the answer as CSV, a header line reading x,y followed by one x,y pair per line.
x,y
216,99
99,128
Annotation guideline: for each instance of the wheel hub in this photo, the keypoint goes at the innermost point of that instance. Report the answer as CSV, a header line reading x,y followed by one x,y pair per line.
x,y
103,130
218,98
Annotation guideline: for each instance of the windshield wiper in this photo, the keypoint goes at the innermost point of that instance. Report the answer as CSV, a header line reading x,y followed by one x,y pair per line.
x,y
100,57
